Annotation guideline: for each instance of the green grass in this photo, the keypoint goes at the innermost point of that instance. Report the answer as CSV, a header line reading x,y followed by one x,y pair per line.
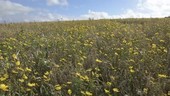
x,y
85,58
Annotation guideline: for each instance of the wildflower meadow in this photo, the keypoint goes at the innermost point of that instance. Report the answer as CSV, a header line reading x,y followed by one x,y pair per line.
x,y
121,57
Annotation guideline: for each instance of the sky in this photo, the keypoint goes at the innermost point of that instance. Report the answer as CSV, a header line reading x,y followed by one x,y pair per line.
x,y
54,10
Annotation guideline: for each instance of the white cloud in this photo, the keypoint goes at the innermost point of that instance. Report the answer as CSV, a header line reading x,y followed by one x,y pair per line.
x,y
147,9
10,8
37,16
129,13
15,12
104,15
95,15
46,16
57,2
144,9
155,8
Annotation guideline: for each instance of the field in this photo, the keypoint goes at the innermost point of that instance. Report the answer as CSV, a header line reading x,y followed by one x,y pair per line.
x,y
122,57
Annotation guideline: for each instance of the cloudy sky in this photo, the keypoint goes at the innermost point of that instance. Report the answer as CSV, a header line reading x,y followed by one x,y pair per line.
x,y
52,10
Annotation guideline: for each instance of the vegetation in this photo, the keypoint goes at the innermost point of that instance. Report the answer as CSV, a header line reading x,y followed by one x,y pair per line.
x,y
85,58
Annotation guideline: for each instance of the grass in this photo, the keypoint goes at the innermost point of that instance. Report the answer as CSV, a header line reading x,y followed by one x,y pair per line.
x,y
85,58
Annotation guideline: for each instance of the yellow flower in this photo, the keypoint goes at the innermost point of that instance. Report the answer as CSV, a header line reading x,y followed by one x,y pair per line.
x,y
78,74
47,73
21,80
28,89
129,43
14,56
112,35
153,46
109,83
82,92
130,67
69,82
124,41
19,68
17,63
162,76
136,53
145,90
156,33
168,93
115,90
131,60
57,66
80,64
165,51
6,76
86,78
130,50
89,70
28,69
88,93
106,91
58,87
31,84
1,58
63,60
2,79
112,77
132,71
15,72
25,77
116,54
162,41
45,77
3,87
98,61
69,91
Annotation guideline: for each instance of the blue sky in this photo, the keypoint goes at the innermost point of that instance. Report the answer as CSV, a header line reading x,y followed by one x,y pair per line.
x,y
52,10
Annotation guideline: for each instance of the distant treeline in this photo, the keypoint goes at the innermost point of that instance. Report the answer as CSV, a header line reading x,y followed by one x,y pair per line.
x,y
167,17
